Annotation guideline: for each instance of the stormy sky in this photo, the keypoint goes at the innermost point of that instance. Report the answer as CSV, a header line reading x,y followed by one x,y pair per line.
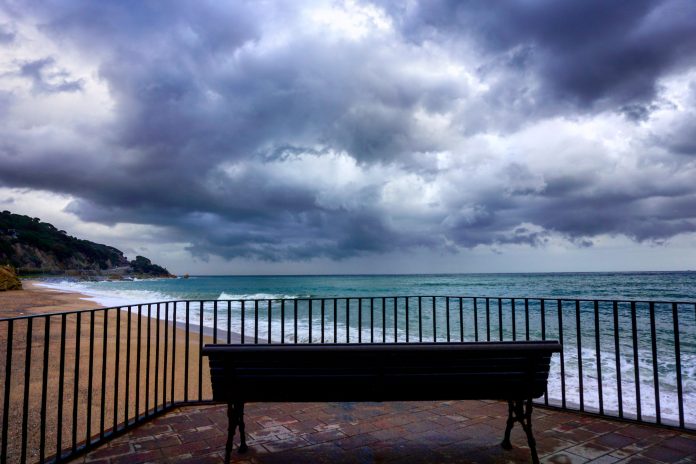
x,y
356,136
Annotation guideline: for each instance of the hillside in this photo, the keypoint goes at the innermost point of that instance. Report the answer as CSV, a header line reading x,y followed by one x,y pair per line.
x,y
33,246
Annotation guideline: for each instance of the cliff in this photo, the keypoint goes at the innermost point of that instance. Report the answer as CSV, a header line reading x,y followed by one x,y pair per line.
x,y
34,247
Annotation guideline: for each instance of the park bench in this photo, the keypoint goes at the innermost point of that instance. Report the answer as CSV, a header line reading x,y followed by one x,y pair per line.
x,y
513,371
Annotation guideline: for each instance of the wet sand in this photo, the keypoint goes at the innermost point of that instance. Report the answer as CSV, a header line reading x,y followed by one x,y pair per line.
x,y
59,362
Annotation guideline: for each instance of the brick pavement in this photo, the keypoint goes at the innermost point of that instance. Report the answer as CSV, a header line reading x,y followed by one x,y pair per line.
x,y
417,432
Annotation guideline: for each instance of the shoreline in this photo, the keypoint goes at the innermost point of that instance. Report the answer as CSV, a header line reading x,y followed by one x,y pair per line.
x,y
35,299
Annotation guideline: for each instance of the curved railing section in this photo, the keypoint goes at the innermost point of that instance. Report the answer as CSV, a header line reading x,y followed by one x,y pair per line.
x,y
75,379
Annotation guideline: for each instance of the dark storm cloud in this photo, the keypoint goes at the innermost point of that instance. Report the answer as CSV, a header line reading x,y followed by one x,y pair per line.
x,y
237,129
589,53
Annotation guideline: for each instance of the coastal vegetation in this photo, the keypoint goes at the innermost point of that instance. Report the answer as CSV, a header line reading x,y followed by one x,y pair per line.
x,y
35,247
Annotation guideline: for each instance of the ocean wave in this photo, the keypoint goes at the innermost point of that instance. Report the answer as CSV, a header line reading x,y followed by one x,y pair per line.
x,y
258,296
107,296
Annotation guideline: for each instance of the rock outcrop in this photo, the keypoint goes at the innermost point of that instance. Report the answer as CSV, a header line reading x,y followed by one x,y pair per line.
x,y
36,247
9,279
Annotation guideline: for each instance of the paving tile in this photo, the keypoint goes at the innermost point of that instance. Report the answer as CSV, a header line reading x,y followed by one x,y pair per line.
x,y
551,445
138,458
564,458
639,431
408,432
665,453
614,440
606,459
356,441
111,450
323,437
603,426
685,443
157,443
633,448
281,445
589,450
639,460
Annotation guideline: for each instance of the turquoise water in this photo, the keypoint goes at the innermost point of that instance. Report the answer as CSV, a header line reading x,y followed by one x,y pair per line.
x,y
393,320
671,286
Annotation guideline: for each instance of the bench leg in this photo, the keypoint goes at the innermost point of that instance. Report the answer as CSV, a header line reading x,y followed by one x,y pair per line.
x,y
508,428
521,411
231,429
239,408
235,417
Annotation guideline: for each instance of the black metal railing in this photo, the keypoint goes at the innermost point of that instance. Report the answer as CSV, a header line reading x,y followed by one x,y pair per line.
x,y
75,379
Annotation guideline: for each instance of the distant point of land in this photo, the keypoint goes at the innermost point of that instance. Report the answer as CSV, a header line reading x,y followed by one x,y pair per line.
x,y
34,247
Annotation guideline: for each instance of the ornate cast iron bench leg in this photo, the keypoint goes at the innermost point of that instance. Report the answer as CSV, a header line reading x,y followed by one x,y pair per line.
x,y
235,416
239,407
521,411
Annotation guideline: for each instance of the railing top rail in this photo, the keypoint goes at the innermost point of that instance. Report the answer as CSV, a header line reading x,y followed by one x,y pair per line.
x,y
355,298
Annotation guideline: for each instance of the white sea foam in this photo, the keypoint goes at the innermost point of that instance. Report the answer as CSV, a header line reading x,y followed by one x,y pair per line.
x,y
106,296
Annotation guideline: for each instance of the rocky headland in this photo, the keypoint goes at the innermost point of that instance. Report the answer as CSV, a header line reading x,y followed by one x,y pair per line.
x,y
34,248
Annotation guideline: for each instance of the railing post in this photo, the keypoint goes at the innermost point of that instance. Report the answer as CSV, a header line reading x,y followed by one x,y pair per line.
x,y
256,321
617,351
598,355
476,330
526,318
372,321
76,380
128,356
500,319
420,320
677,358
323,309
8,384
200,350
25,404
578,334
396,322
656,374
117,370
461,320
407,321
514,321
61,381
359,320
488,320
447,311
186,352
147,361
166,354
434,322
44,387
559,304
636,365
270,317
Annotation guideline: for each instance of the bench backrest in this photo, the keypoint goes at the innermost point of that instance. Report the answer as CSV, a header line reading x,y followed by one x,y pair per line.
x,y
379,372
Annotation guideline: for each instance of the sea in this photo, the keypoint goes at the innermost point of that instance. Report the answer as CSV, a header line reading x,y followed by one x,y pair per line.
x,y
643,380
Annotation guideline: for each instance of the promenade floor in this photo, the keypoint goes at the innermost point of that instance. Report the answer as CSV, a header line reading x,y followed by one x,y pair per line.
x,y
419,432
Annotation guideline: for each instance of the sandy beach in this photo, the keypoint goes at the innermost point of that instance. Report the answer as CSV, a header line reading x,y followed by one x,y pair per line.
x,y
37,300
